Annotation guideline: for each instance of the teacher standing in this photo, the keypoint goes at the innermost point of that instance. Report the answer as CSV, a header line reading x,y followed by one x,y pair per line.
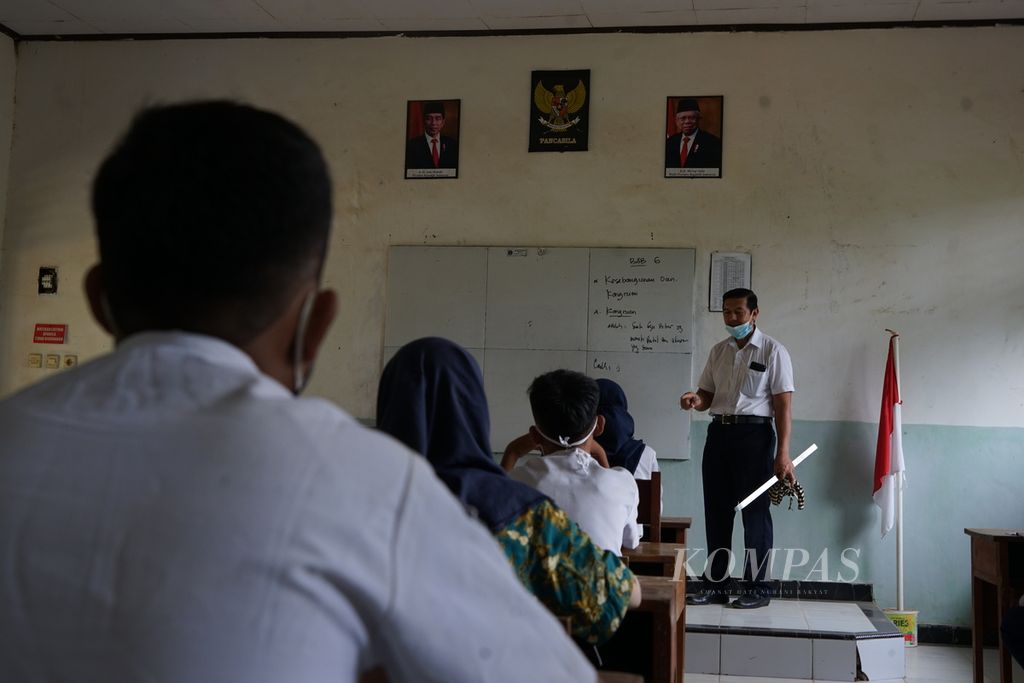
x,y
748,381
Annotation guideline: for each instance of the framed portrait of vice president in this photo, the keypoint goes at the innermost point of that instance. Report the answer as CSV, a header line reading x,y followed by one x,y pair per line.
x,y
693,137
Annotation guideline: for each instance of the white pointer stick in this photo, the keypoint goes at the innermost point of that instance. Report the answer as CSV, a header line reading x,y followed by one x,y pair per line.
x,y
768,484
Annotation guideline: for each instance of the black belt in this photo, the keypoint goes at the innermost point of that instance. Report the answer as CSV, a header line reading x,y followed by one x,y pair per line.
x,y
741,419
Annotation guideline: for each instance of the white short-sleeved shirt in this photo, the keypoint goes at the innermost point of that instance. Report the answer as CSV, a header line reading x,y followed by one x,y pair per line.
x,y
647,464
169,513
602,501
744,380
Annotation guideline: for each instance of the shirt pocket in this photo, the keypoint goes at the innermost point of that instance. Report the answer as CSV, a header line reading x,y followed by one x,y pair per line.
x,y
754,382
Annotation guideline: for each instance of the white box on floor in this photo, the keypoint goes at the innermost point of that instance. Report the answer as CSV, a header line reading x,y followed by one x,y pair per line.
x,y
883,658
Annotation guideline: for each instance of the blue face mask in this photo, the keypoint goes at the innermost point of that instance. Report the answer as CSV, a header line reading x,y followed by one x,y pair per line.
x,y
741,331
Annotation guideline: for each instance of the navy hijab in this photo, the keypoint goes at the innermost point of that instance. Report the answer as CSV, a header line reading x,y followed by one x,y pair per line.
x,y
617,439
431,398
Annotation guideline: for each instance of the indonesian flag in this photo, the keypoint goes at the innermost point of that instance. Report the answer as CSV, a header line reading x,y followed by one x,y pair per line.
x,y
889,454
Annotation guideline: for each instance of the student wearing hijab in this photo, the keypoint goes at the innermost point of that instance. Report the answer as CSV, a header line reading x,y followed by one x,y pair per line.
x,y
431,398
617,440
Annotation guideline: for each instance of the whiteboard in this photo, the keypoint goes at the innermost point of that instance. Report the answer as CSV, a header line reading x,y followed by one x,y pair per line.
x,y
436,289
535,299
624,314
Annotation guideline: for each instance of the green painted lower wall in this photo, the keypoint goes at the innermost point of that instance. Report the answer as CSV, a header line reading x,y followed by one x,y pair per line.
x,y
957,477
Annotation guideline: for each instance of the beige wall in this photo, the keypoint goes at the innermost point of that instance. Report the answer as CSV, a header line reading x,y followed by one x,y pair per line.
x,y
876,176
8,72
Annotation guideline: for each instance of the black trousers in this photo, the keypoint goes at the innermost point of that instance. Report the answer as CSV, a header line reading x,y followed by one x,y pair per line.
x,y
737,459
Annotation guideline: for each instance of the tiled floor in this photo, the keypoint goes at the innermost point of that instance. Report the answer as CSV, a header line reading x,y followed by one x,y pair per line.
x,y
925,664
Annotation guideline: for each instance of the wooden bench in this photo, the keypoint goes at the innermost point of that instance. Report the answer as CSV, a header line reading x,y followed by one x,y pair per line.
x,y
649,511
667,559
674,529
665,599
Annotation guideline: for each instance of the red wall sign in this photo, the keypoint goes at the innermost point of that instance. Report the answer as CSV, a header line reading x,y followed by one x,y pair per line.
x,y
49,334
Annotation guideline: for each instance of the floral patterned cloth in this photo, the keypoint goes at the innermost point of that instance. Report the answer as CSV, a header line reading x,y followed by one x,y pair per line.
x,y
558,563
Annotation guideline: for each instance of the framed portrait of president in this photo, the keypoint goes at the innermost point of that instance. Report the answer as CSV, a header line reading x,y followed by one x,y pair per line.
x,y
432,139
693,136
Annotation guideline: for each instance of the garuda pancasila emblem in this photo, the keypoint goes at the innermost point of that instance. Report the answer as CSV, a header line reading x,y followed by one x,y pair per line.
x,y
559,105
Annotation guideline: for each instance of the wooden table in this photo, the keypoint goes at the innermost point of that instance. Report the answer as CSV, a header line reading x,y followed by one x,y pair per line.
x,y
665,599
997,563
673,529
665,554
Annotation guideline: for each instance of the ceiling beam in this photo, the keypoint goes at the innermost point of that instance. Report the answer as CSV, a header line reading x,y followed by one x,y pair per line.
x,y
722,28
13,35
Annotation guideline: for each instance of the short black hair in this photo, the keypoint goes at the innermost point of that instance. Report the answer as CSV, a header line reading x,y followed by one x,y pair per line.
x,y
433,107
687,104
209,216
564,403
742,293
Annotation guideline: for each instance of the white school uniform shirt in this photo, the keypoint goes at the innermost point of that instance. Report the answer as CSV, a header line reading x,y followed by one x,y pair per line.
x,y
732,374
168,513
602,501
647,464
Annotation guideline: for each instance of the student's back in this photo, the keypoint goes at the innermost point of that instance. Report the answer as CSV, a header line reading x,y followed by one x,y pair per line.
x,y
172,512
602,501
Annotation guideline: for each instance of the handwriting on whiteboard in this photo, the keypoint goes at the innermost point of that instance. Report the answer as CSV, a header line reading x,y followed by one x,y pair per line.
x,y
632,304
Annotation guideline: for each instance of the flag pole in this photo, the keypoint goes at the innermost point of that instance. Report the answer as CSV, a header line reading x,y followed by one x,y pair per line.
x,y
899,482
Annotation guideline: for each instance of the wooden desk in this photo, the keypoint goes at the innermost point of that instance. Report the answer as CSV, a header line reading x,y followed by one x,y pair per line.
x,y
997,563
673,529
665,599
663,554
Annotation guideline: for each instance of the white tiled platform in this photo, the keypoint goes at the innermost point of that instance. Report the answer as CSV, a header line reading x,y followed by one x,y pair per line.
x,y
786,615
793,639
925,664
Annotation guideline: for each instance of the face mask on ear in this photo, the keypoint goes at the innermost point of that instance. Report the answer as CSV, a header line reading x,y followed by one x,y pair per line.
x,y
564,442
299,378
740,331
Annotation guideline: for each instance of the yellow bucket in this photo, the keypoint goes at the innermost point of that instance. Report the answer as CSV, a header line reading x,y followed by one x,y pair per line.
x,y
906,622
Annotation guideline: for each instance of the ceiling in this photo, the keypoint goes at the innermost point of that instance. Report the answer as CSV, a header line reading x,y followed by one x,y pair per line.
x,y
96,18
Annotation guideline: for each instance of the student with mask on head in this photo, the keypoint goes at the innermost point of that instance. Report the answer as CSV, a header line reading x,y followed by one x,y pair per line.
x,y
171,511
431,398
602,501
